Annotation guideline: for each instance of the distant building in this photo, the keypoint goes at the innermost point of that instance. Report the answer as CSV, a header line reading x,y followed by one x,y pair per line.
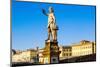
x,y
94,47
83,48
29,55
79,49
66,52
41,59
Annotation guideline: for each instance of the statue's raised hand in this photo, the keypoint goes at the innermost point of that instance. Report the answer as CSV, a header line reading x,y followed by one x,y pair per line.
x,y
44,12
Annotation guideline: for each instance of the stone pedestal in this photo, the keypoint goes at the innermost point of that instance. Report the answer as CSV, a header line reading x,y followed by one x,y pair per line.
x,y
51,52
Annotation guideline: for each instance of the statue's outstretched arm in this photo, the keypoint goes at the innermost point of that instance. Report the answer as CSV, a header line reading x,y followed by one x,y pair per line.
x,y
44,12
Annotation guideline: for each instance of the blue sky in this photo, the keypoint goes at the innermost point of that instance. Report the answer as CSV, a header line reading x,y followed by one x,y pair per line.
x,y
29,25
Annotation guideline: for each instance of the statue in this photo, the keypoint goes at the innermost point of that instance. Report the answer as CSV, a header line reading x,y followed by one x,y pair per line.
x,y
52,27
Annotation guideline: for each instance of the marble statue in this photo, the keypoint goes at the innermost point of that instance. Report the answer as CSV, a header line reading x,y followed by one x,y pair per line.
x,y
52,27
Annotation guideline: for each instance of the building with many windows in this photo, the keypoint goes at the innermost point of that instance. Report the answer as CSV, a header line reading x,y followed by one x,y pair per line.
x,y
29,55
82,48
66,52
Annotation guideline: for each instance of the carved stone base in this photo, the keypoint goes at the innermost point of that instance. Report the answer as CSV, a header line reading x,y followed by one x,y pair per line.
x,y
51,52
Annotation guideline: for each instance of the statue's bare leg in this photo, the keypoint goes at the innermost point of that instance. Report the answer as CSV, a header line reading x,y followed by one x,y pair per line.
x,y
54,35
49,31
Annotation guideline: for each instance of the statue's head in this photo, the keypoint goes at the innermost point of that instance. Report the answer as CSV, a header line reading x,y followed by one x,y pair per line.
x,y
51,9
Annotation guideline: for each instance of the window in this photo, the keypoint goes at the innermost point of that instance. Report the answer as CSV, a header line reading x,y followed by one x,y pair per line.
x,y
54,60
70,54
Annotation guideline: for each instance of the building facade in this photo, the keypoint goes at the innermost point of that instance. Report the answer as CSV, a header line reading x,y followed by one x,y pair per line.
x,y
66,52
41,59
29,55
79,49
83,48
